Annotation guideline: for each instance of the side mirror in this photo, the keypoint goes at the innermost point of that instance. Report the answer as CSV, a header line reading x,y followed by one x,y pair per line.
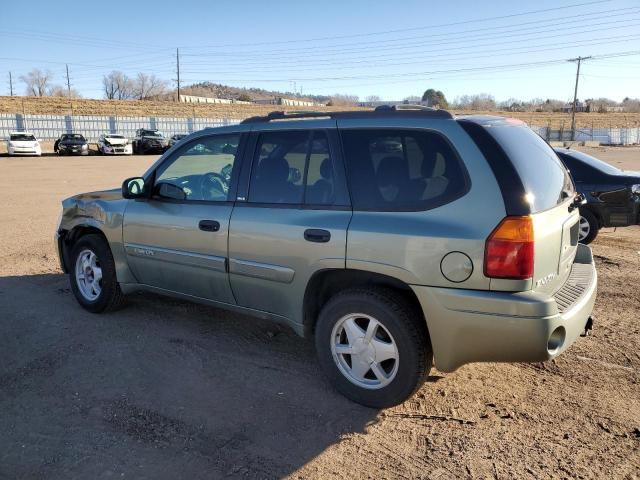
x,y
169,190
134,187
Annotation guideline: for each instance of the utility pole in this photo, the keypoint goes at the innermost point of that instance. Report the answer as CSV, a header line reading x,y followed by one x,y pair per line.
x,y
10,84
575,96
178,71
68,82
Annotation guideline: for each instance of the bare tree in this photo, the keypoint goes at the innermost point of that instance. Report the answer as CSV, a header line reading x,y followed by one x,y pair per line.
x,y
117,86
373,99
37,82
340,99
60,91
146,86
480,101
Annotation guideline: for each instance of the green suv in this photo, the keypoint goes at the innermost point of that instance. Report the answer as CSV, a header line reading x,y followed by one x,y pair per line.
x,y
398,238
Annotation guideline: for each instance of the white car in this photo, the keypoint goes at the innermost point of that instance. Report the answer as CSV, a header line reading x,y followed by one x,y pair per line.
x,y
23,143
114,144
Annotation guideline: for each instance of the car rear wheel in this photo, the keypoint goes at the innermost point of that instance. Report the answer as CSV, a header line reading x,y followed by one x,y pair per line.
x,y
588,227
373,347
93,275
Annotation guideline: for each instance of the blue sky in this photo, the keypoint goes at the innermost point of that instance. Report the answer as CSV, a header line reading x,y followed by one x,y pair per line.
x,y
389,49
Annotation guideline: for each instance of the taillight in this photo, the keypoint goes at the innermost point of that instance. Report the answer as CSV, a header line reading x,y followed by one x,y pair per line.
x,y
508,252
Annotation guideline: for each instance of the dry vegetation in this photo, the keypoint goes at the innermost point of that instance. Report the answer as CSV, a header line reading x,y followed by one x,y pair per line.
x,y
133,108
64,106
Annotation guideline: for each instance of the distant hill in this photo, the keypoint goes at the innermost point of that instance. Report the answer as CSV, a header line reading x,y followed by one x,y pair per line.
x,y
216,90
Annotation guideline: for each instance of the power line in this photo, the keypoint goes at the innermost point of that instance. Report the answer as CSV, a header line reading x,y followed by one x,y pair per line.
x,y
490,54
492,33
460,55
385,32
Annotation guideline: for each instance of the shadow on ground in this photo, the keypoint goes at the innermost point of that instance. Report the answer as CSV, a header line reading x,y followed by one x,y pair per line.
x,y
160,389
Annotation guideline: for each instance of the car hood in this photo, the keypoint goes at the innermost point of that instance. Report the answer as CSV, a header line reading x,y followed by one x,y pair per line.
x,y
116,141
103,195
72,142
23,143
161,139
102,209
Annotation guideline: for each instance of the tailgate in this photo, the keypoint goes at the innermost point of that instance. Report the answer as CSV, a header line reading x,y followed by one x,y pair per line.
x,y
556,242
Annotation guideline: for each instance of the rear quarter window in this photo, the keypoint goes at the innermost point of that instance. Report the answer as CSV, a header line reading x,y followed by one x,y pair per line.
x,y
545,179
402,169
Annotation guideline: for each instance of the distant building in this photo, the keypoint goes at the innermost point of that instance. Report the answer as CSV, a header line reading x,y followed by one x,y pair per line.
x,y
291,102
580,107
195,99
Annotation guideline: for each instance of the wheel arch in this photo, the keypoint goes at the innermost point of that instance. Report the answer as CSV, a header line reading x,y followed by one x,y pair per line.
x,y
70,237
325,283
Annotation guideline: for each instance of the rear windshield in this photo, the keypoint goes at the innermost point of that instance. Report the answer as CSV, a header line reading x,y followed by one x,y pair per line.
x,y
151,133
545,179
115,136
73,136
20,137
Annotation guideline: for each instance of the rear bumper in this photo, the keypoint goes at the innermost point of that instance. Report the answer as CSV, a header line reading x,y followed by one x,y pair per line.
x,y
485,326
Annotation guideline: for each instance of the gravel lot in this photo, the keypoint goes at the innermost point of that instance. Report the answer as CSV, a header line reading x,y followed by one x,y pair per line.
x,y
167,389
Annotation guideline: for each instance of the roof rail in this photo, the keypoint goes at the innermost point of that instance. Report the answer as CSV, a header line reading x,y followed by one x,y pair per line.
x,y
382,110
282,115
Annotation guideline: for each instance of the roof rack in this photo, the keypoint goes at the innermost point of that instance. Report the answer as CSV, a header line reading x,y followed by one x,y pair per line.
x,y
381,111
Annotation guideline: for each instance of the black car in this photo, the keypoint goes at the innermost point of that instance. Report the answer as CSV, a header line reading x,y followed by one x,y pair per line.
x,y
71,144
613,195
176,138
148,140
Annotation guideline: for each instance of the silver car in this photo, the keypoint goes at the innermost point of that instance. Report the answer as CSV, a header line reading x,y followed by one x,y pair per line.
x,y
397,238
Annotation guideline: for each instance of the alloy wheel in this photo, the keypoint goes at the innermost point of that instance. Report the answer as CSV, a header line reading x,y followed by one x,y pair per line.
x,y
364,351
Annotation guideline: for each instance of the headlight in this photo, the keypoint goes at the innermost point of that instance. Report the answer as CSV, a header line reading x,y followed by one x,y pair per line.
x,y
635,188
11,144
85,146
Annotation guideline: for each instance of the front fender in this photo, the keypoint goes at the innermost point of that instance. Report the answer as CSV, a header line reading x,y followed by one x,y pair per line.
x,y
87,214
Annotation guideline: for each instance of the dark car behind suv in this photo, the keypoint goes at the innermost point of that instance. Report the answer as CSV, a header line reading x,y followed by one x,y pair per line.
x,y
71,144
149,141
613,195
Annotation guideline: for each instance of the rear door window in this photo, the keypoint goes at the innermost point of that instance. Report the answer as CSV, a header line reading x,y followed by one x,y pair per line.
x,y
401,170
294,168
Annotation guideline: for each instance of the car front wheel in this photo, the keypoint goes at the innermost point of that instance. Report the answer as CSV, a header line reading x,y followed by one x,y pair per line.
x,y
373,346
93,275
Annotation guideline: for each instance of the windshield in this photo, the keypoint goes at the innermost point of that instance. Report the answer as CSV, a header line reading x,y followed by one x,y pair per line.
x,y
72,136
151,133
21,137
592,162
114,136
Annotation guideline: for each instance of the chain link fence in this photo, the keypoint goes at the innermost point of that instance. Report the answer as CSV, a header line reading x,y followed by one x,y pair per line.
x,y
50,127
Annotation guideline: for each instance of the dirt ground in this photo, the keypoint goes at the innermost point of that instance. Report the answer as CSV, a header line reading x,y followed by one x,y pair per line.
x,y
168,389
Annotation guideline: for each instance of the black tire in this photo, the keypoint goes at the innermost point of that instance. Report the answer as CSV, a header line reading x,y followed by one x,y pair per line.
x,y
594,225
406,326
110,297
